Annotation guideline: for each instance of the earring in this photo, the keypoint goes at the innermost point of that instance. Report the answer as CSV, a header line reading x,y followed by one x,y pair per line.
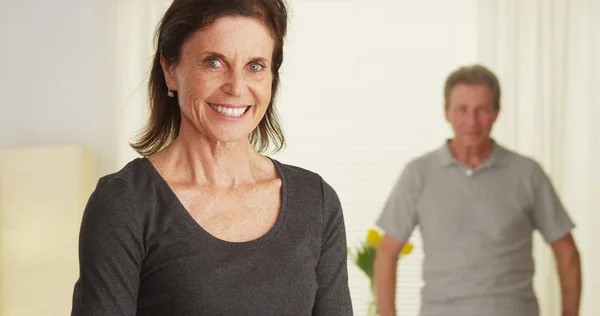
x,y
170,93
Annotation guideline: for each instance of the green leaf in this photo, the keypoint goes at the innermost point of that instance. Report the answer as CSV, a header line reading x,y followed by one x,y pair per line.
x,y
365,257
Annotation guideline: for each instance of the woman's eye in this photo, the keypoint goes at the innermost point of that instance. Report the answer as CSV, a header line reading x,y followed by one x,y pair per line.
x,y
256,67
213,63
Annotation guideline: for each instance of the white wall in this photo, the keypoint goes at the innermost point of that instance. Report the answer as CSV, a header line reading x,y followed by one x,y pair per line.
x,y
592,279
56,82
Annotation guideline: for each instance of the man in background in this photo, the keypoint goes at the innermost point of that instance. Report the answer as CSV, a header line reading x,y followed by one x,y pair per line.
x,y
477,205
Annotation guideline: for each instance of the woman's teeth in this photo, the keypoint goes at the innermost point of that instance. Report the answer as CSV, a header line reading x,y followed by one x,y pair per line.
x,y
231,112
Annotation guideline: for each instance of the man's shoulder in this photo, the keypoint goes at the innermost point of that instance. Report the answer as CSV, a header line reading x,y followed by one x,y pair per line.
x,y
424,162
524,163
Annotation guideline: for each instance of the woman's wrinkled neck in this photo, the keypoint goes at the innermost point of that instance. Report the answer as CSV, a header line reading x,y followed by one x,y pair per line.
x,y
194,158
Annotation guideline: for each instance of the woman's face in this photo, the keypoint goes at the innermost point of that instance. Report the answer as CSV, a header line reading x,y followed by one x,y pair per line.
x,y
223,79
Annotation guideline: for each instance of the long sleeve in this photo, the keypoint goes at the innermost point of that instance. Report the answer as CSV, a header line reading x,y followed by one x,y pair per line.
x,y
333,295
111,251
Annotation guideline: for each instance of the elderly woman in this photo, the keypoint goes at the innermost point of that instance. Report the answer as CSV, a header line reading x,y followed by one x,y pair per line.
x,y
205,224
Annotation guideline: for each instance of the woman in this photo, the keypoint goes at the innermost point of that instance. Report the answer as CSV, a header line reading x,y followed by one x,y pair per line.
x,y
204,224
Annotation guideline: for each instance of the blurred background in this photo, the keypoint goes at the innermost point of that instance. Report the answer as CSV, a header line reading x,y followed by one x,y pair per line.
x,y
361,95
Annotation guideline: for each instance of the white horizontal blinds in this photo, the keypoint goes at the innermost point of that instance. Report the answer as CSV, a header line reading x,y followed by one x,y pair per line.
x,y
361,95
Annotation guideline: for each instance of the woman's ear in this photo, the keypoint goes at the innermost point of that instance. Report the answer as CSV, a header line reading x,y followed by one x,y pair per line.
x,y
168,69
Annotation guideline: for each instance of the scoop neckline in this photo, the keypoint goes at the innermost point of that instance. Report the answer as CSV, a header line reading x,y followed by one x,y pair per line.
x,y
197,228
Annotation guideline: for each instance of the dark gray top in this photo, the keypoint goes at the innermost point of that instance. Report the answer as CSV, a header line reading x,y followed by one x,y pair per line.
x,y
141,253
476,226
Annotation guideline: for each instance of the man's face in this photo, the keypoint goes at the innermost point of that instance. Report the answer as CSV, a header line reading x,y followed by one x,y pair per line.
x,y
471,113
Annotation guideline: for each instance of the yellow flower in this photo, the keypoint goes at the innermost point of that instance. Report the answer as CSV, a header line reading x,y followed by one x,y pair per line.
x,y
408,247
374,237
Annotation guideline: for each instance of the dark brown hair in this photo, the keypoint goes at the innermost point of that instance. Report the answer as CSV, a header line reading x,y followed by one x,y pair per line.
x,y
180,22
474,74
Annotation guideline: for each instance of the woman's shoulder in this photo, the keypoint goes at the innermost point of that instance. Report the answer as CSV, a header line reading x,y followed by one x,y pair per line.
x,y
304,178
296,174
308,189
131,181
118,207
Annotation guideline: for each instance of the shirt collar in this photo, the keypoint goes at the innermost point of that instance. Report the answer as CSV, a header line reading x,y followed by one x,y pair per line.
x,y
496,159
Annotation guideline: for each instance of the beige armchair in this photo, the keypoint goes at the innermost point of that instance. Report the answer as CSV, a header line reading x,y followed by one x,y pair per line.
x,y
43,192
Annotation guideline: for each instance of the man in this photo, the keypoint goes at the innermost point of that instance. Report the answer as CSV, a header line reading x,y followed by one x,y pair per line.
x,y
477,205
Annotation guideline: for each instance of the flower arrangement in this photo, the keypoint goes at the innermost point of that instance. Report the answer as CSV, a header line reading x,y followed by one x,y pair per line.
x,y
364,258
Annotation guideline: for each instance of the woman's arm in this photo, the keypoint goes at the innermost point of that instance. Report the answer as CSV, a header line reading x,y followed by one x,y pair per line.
x,y
333,295
110,255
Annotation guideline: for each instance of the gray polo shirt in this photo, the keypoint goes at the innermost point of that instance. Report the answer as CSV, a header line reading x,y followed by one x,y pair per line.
x,y
476,226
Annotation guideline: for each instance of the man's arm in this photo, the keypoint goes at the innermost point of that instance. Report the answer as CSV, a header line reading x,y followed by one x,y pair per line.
x,y
551,219
569,271
398,220
384,270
